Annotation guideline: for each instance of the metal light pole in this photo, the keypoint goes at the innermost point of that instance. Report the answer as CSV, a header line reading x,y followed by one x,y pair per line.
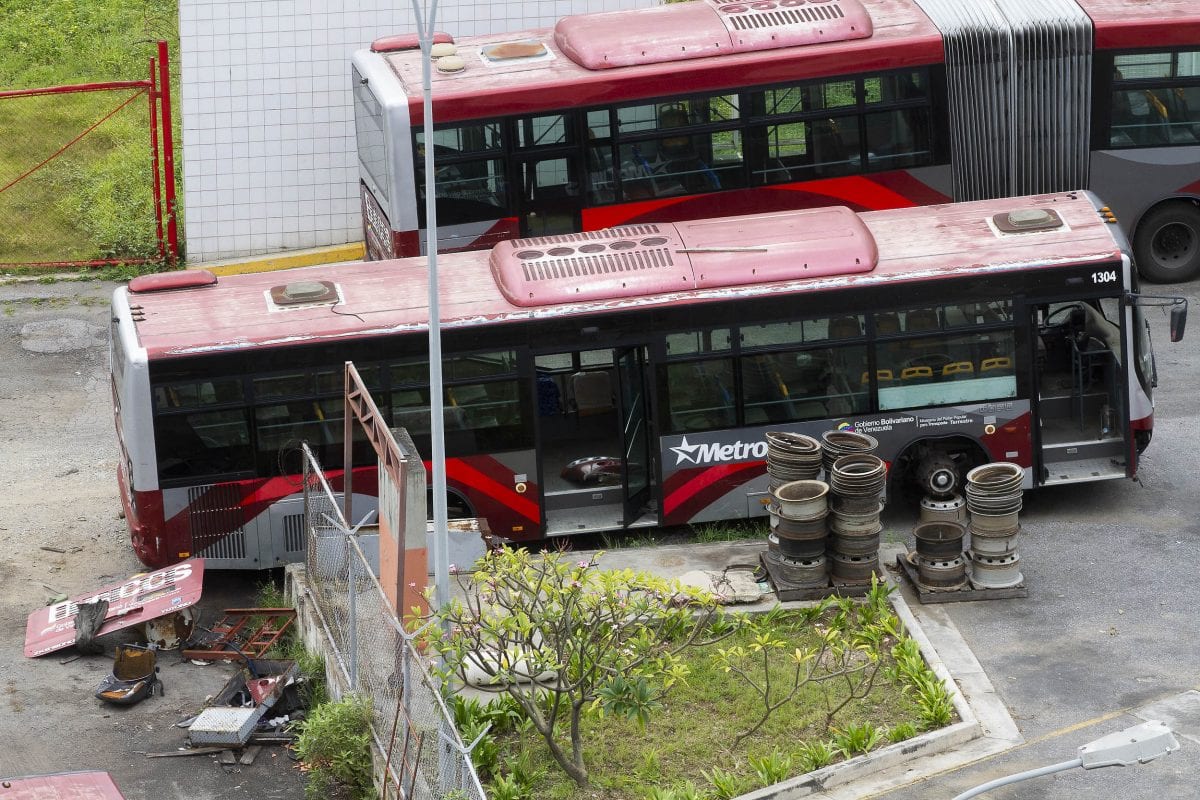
x,y
1140,744
440,549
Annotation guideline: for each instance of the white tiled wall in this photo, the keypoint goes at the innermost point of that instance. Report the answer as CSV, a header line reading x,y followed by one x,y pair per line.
x,y
268,131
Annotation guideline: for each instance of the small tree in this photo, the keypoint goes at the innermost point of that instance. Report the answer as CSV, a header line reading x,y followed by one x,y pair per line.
x,y
844,662
564,638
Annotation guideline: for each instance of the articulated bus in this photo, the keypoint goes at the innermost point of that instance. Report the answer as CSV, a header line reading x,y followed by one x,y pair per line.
x,y
720,107
627,377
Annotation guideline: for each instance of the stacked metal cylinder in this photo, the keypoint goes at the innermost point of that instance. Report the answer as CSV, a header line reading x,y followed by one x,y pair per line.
x,y
939,554
856,480
792,457
799,507
994,499
799,532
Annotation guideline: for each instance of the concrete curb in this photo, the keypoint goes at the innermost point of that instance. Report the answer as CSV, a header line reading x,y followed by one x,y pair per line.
x,y
286,260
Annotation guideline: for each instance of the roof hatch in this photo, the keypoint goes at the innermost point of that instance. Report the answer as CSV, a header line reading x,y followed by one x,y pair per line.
x,y
640,260
1026,220
681,31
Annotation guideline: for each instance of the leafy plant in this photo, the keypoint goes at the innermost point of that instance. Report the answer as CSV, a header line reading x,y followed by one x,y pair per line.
x,y
856,739
335,743
506,787
565,640
934,700
814,755
901,732
773,768
728,785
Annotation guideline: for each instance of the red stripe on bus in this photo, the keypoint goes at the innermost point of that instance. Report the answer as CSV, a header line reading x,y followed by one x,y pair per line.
x,y
857,191
694,489
468,475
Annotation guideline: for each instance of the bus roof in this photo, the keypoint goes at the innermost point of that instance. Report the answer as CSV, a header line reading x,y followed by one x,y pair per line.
x,y
486,86
932,243
1138,24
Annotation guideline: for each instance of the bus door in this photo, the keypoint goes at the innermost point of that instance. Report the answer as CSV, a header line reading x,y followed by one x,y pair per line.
x,y
1080,390
635,433
593,445
548,197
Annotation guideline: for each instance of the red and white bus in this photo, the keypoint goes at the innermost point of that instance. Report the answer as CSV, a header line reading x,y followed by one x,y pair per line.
x,y
720,107
625,378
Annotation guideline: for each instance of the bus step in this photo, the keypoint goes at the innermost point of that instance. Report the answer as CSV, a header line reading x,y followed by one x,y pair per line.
x,y
1085,450
1083,470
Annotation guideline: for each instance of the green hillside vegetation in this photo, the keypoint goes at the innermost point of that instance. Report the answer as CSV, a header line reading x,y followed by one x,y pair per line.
x,y
95,201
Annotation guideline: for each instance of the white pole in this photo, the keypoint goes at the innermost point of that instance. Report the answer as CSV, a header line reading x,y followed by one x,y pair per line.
x,y
440,539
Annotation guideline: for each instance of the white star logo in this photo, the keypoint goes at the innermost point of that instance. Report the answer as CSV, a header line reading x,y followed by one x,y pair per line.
x,y
685,452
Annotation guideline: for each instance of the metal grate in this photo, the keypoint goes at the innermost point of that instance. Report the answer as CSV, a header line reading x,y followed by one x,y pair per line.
x,y
293,533
215,516
805,15
620,232
554,269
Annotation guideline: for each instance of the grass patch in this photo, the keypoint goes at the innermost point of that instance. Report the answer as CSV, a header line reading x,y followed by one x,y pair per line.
x,y
93,201
783,694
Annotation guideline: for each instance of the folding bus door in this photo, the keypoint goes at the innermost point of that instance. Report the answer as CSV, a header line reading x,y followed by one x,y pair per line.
x,y
635,433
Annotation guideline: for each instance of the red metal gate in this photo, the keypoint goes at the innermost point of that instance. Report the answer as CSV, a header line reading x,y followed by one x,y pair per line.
x,y
87,173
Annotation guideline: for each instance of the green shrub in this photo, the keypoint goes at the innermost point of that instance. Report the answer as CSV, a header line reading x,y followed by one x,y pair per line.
x,y
335,743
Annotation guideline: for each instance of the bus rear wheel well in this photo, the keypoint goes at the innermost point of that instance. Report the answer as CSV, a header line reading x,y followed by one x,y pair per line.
x,y
1166,241
935,466
457,505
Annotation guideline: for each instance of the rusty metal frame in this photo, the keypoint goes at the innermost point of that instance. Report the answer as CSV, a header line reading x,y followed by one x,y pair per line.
x,y
360,406
251,641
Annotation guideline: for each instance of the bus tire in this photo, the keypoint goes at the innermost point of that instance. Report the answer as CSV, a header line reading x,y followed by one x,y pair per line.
x,y
1167,243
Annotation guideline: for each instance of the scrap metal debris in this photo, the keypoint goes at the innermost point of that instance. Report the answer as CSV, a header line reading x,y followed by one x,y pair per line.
x,y
132,602
244,633
134,676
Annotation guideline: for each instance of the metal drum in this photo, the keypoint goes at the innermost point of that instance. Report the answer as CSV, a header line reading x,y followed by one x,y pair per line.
x,y
939,539
942,573
856,545
802,499
949,509
835,444
990,543
854,569
805,573
996,572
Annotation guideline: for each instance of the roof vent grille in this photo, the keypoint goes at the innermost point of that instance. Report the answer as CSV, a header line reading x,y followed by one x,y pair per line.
x,y
778,18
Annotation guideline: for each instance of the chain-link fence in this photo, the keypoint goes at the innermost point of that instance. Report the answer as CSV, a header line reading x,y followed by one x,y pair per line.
x,y
412,731
85,177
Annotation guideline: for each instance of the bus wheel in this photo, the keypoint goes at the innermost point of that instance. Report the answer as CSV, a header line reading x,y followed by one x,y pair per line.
x,y
1167,243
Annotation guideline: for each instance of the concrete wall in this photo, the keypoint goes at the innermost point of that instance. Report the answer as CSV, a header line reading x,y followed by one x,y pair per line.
x,y
268,130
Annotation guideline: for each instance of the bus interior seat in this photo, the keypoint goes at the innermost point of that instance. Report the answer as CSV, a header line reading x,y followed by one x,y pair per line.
x,y
995,363
592,391
960,369
881,376
917,374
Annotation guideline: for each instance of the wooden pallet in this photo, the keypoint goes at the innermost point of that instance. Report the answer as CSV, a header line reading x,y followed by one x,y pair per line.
x,y
967,592
787,591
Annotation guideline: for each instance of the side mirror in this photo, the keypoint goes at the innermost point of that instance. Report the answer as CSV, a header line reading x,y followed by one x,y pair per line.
x,y
1178,321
